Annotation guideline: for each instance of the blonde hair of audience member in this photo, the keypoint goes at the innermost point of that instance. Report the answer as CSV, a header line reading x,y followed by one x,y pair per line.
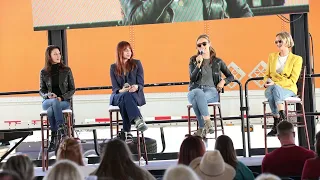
x,y
180,172
116,163
266,176
22,165
70,149
64,170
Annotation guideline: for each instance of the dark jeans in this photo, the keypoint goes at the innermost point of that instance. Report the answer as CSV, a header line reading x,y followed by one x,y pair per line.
x,y
128,108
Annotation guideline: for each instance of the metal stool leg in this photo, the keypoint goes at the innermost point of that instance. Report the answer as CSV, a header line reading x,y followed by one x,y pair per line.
x,y
117,118
265,128
189,121
305,125
69,124
138,147
215,122
221,119
111,125
47,144
42,143
145,148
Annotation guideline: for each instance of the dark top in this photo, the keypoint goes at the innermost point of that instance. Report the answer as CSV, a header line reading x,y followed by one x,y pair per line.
x,y
136,76
286,161
55,80
206,78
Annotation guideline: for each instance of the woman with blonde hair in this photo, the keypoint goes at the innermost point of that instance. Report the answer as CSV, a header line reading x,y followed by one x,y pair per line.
x,y
21,165
281,76
71,149
180,172
64,170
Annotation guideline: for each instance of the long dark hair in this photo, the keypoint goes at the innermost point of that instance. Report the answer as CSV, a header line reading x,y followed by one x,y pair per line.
x,y
121,66
191,148
48,60
225,145
117,163
71,149
213,53
318,144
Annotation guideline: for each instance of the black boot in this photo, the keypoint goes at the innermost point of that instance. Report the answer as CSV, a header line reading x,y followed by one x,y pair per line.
x,y
282,115
273,131
53,142
62,131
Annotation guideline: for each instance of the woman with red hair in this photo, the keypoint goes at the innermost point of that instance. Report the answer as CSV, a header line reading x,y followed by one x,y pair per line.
x,y
191,148
127,88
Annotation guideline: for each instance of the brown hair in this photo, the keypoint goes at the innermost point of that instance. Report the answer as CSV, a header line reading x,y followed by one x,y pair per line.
x,y
48,59
318,144
225,145
285,128
70,149
117,163
120,66
22,165
191,148
213,53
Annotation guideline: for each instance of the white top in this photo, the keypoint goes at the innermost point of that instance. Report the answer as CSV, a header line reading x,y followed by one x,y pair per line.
x,y
281,63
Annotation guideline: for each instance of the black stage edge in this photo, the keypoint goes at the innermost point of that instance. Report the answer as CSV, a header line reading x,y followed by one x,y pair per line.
x,y
300,34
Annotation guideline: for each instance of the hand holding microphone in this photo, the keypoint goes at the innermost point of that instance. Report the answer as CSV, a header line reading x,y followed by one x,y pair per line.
x,y
125,88
199,59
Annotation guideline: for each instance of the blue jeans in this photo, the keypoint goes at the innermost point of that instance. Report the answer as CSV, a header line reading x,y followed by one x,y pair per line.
x,y
199,98
276,95
54,110
128,108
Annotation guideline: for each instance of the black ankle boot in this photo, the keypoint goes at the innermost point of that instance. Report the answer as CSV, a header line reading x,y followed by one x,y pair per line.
x,y
62,131
53,142
282,115
273,131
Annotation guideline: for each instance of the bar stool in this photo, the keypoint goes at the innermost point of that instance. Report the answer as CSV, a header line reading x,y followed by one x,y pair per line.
x,y
215,106
45,126
116,109
291,101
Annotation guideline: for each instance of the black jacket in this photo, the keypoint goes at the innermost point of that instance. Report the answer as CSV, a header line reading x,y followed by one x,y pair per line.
x,y
66,83
159,11
218,66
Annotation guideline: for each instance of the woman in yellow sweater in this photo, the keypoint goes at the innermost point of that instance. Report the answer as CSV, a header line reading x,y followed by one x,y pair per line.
x,y
282,74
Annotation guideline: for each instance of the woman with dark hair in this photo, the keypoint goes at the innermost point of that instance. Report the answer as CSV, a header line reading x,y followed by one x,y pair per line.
x,y
21,165
56,88
311,169
191,148
225,145
117,164
205,82
71,149
127,88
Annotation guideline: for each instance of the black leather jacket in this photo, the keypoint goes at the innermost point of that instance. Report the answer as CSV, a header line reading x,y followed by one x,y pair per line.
x,y
66,83
218,66
159,11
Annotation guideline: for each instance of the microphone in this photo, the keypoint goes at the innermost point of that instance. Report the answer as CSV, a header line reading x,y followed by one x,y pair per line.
x,y
200,53
126,85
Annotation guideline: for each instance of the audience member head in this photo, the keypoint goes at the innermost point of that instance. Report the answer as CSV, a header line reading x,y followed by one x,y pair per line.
x,y
191,148
64,170
286,133
71,149
317,145
9,175
224,144
53,56
116,162
22,165
212,166
180,172
284,41
267,176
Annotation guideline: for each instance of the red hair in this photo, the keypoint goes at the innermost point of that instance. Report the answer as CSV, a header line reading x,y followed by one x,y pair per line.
x,y
120,66
71,149
191,148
